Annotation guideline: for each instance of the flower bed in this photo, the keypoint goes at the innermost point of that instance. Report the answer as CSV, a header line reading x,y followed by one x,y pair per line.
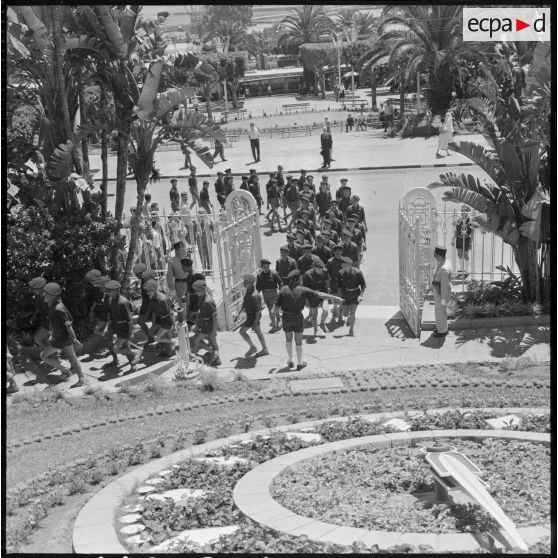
x,y
215,508
380,489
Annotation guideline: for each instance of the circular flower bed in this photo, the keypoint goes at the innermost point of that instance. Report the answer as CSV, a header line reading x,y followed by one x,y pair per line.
x,y
390,489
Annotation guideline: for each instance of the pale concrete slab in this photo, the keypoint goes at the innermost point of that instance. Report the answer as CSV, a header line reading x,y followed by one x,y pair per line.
x,y
504,422
178,495
130,518
138,539
315,384
197,536
154,482
132,529
228,461
132,508
398,424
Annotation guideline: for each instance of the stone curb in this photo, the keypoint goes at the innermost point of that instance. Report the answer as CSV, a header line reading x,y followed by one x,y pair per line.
x,y
260,506
428,323
340,169
100,509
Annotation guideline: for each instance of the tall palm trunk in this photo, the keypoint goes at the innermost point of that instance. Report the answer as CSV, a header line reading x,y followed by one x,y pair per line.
x,y
233,95
56,17
402,94
82,117
322,83
527,260
373,88
134,235
123,123
104,157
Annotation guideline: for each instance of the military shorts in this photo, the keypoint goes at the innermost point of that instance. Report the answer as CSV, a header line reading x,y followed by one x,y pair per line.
x,y
293,322
270,297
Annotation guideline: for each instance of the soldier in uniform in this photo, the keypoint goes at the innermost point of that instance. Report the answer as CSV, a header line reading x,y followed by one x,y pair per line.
x,y
101,313
161,311
311,185
323,202
63,338
254,189
327,229
317,279
176,276
295,250
229,186
244,183
252,306
321,250
205,327
281,184
352,285
356,210
302,237
307,223
121,324
334,266
328,243
220,189
345,202
302,179
285,264
268,282
350,249
39,319
308,194
292,301
441,285
192,301
340,190
292,198
193,185
273,201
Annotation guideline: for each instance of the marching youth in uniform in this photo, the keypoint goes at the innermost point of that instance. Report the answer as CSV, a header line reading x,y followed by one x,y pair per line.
x,y
292,300
252,306
144,275
285,264
321,250
317,279
205,327
334,266
161,310
352,285
350,249
39,319
121,324
269,282
176,276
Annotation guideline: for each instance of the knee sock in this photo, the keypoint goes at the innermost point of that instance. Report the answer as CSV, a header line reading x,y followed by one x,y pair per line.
x,y
299,353
290,351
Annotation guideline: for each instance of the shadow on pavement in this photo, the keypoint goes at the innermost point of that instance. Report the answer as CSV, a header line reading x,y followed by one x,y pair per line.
x,y
245,362
505,343
433,342
398,328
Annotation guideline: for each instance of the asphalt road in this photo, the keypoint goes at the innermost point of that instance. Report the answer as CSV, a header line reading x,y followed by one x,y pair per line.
x,y
380,192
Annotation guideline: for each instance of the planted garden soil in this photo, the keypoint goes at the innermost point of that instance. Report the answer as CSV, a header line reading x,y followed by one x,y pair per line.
x,y
380,489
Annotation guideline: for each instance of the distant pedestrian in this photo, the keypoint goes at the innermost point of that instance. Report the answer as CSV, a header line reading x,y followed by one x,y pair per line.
x,y
441,286
63,338
446,135
219,150
326,142
246,92
254,136
186,153
193,185
174,196
388,116
252,306
361,120
269,89
350,123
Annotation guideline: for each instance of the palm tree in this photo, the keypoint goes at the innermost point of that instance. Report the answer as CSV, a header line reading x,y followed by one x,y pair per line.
x,y
426,39
305,25
511,202
148,131
365,24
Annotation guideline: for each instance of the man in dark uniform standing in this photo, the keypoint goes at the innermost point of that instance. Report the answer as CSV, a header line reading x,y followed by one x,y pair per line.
x,y
358,237
340,190
252,306
121,324
350,249
244,183
292,301
352,285
268,283
220,189
317,279
292,198
334,266
327,228
285,264
321,250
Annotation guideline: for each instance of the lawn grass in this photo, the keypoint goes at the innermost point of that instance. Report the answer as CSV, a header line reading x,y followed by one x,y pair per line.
x,y
179,415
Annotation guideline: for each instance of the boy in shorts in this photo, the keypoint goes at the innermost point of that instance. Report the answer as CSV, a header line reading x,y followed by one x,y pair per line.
x,y
252,306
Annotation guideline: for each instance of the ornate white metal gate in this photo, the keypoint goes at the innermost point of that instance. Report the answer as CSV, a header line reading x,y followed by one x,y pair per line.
x,y
417,236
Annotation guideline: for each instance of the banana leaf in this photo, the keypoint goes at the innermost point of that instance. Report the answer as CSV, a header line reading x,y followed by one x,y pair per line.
x,y
61,163
36,26
486,159
147,102
512,166
112,30
171,99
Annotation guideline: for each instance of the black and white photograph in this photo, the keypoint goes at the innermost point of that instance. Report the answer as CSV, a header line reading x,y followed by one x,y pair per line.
x,y
278,279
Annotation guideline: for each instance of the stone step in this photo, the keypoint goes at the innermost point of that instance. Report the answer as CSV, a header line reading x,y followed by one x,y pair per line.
x,y
198,536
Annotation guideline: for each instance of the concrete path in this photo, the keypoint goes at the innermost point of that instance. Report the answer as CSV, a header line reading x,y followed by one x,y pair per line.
x,y
382,339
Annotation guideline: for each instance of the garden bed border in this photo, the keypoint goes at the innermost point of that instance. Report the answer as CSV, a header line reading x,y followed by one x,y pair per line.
x,y
94,528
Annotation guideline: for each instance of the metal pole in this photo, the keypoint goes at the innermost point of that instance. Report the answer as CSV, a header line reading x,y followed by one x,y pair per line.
x,y
226,97
183,341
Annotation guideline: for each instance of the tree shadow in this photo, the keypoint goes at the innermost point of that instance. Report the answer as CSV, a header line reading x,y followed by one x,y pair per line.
x,y
505,342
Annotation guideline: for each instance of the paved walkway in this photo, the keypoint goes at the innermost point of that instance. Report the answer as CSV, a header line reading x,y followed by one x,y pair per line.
x,y
382,339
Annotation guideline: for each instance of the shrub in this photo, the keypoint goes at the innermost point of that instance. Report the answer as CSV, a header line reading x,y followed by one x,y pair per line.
x,y
209,380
